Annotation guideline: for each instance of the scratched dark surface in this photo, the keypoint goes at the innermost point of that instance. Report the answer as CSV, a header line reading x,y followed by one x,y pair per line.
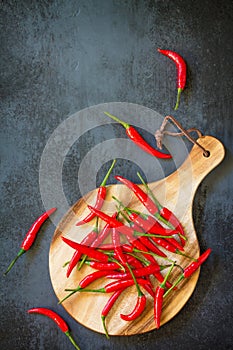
x,y
58,57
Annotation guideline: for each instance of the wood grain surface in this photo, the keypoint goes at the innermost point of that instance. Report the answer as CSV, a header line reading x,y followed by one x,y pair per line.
x,y
176,192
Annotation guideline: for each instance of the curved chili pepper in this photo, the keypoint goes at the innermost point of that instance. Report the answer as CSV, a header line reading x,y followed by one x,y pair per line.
x,y
133,134
77,254
57,319
181,71
100,197
138,309
31,236
158,299
108,307
190,269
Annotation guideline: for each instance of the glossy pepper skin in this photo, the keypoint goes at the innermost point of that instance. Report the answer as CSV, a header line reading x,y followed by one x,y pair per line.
x,y
31,236
57,319
134,135
181,71
138,309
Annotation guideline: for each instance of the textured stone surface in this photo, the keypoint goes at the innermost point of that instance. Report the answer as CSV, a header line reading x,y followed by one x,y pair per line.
x,y
58,57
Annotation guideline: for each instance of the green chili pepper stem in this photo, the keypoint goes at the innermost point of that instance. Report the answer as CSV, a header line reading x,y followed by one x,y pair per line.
x,y
179,90
186,256
69,295
137,233
104,326
103,183
163,284
117,262
95,229
66,263
82,262
72,340
135,281
124,124
150,192
153,254
144,261
181,277
21,252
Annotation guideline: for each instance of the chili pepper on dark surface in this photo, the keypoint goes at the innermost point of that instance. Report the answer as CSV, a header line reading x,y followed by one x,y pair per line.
x,y
134,135
190,269
181,71
100,197
158,299
108,306
31,236
57,319
77,254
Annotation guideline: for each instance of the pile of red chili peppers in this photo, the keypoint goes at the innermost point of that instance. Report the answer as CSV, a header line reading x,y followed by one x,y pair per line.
x,y
132,250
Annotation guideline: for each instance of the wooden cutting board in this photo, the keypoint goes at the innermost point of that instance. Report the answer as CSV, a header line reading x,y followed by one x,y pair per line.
x,y
175,192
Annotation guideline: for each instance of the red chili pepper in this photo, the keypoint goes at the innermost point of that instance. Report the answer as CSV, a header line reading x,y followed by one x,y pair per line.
x,y
116,285
103,234
133,134
140,272
114,223
85,282
90,252
77,254
117,247
100,197
138,309
181,71
57,319
102,266
31,236
108,307
165,215
158,299
142,196
190,269
170,217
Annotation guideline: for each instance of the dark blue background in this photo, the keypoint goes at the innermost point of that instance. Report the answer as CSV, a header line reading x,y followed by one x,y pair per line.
x,y
58,57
